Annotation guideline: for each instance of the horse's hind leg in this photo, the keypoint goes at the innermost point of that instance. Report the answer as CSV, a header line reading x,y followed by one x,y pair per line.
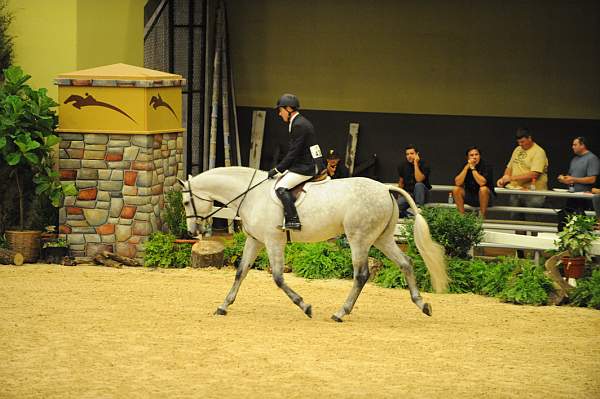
x,y
251,249
276,257
360,259
386,244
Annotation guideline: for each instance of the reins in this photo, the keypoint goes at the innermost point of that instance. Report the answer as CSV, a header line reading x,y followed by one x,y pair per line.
x,y
203,218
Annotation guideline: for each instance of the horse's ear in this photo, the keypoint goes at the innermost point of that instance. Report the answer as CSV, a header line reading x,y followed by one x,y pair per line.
x,y
181,182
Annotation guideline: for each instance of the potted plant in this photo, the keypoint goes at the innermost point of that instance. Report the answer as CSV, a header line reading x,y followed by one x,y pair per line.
x,y
576,237
27,123
54,250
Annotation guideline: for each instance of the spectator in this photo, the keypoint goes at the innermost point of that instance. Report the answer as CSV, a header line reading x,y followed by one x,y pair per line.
x,y
414,178
584,168
335,168
474,183
528,166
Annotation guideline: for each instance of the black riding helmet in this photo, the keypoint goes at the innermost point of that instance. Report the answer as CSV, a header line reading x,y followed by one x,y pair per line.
x,y
288,100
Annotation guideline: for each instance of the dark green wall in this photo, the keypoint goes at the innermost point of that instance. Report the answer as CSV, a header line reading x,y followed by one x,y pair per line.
x,y
495,58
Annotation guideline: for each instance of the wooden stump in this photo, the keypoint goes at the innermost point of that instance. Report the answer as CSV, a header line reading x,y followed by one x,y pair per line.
x,y
207,253
561,287
8,257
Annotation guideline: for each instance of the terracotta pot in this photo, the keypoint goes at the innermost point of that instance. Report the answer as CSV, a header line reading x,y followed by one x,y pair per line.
x,y
573,267
27,242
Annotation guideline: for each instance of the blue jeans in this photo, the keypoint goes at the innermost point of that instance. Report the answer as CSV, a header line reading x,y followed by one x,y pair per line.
x,y
596,203
420,194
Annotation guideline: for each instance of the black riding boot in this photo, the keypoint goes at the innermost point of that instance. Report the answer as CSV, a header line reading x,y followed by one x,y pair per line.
x,y
292,222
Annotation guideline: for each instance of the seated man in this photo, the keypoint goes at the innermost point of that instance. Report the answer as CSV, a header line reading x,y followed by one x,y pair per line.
x,y
335,168
527,169
414,178
474,183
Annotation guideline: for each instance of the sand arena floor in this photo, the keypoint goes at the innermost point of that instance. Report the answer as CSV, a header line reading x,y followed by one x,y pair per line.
x,y
94,332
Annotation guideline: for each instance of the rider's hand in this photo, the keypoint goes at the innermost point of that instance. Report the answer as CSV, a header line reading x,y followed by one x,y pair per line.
x,y
273,172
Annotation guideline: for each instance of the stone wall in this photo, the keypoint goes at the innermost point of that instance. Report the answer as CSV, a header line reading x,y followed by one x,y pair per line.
x,y
121,181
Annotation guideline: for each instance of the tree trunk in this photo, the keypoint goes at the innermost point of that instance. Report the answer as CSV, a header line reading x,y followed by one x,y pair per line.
x,y
215,93
21,201
207,253
8,257
121,259
225,91
102,260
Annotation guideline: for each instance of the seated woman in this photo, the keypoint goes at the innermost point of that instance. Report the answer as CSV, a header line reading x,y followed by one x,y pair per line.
x,y
474,184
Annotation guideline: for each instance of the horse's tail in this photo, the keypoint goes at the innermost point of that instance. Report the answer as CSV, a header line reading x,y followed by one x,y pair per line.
x,y
431,251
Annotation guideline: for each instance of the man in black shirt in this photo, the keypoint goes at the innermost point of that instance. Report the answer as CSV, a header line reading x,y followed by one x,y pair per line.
x,y
335,168
474,183
414,178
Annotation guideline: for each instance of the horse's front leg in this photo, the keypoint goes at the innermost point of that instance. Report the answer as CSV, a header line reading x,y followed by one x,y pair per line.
x,y
251,249
276,251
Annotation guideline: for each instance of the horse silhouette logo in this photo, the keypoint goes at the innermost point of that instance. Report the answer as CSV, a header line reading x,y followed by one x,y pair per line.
x,y
89,101
156,102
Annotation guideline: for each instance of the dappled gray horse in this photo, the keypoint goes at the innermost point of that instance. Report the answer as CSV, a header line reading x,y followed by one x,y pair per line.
x,y
361,208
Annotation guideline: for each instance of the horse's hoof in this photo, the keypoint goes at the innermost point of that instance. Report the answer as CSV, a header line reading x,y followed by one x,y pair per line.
x,y
308,311
427,309
220,312
335,318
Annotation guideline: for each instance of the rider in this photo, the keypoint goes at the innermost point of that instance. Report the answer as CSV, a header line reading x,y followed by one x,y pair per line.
x,y
303,160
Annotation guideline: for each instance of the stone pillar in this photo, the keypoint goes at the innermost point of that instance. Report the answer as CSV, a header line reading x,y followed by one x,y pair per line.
x,y
122,145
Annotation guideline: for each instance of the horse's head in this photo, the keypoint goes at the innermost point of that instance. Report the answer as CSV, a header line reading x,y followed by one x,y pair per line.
x,y
197,206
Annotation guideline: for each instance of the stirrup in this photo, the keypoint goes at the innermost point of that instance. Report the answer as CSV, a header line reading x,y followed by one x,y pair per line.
x,y
293,226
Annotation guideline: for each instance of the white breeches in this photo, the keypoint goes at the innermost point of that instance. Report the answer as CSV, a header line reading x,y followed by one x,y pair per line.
x,y
291,179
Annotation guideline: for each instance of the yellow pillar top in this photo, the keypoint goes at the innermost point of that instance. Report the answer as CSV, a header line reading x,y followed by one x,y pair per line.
x,y
119,98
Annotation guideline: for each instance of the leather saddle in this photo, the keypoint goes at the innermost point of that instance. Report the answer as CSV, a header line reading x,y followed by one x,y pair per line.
x,y
299,189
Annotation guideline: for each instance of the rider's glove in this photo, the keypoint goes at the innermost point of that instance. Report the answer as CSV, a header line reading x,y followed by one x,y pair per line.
x,y
273,172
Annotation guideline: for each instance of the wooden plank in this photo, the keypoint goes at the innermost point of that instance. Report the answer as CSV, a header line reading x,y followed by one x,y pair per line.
x,y
256,138
351,147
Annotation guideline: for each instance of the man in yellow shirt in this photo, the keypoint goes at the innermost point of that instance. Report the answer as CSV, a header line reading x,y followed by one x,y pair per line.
x,y
527,168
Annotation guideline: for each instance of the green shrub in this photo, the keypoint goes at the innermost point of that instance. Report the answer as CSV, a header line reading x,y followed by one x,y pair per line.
x,y
587,292
175,214
161,251
321,260
497,275
6,39
528,285
234,249
456,232
459,272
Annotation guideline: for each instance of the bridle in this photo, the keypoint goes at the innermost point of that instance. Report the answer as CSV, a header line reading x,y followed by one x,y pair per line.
x,y
203,218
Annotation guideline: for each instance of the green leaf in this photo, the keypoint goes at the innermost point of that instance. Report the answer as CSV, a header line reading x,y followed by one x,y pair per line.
x,y
15,75
52,140
2,142
56,198
42,187
32,158
69,189
13,158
